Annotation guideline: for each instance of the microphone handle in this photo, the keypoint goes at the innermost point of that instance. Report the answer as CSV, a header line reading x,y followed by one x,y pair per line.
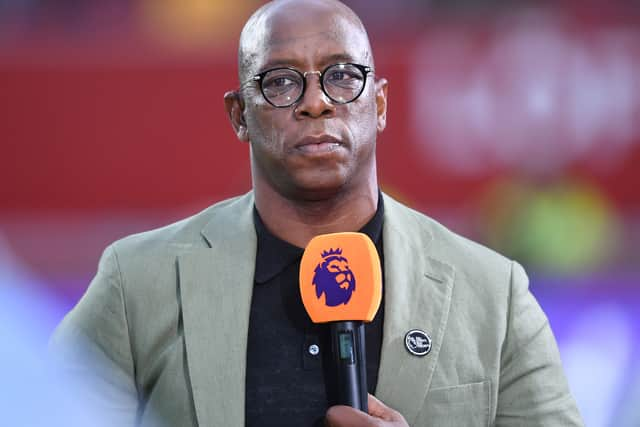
x,y
350,363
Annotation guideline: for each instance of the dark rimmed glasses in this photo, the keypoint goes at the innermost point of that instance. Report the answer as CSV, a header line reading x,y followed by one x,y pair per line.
x,y
284,86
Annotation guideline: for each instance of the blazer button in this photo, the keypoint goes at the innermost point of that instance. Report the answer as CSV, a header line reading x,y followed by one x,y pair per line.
x,y
314,350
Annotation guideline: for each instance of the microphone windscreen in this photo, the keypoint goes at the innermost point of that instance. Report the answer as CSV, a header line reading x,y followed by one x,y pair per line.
x,y
341,278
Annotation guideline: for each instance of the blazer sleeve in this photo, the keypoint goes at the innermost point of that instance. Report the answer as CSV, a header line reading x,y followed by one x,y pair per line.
x,y
533,390
91,348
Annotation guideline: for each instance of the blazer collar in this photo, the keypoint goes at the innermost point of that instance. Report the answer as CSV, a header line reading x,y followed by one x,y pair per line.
x,y
215,286
418,289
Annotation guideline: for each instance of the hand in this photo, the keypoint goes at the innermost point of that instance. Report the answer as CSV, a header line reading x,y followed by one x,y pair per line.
x,y
380,415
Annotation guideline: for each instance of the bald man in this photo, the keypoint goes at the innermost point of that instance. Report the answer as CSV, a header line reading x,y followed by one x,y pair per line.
x,y
201,323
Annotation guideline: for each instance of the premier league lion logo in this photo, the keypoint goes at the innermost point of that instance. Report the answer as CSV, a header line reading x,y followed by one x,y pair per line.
x,y
334,278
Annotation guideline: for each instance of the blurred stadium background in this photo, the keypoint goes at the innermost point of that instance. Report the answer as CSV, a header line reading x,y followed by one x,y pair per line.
x,y
516,123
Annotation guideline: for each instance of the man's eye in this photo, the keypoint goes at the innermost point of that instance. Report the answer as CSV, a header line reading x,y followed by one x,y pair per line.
x,y
282,85
340,75
279,82
343,79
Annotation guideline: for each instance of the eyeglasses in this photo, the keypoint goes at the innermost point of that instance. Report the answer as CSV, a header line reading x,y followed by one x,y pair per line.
x,y
284,86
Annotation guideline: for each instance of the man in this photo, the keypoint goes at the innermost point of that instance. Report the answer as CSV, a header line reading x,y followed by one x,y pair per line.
x,y
197,323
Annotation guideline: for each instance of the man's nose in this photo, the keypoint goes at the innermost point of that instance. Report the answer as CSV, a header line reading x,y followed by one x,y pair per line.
x,y
314,103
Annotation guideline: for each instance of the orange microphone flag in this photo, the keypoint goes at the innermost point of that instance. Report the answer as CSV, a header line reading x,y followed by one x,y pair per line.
x,y
341,278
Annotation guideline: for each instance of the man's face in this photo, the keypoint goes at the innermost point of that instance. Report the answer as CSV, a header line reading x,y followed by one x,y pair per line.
x,y
314,148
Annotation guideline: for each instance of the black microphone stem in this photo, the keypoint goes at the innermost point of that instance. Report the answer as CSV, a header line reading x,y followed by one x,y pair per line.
x,y
350,363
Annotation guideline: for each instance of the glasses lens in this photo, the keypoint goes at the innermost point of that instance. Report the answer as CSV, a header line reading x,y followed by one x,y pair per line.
x,y
282,87
343,82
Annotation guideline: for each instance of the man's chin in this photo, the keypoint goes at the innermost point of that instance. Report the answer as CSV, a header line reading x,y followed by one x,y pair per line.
x,y
316,191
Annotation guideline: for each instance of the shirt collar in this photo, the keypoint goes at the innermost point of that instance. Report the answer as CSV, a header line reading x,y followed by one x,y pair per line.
x,y
274,254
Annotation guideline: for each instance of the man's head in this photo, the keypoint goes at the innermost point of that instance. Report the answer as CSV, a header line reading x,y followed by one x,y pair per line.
x,y
316,147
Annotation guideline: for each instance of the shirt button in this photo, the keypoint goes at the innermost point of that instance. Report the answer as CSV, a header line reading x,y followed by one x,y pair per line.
x,y
314,349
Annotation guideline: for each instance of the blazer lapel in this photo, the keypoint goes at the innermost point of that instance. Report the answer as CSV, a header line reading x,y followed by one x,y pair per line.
x,y
215,289
418,292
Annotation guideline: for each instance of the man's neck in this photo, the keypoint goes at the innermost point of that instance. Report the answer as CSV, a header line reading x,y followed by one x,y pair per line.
x,y
297,222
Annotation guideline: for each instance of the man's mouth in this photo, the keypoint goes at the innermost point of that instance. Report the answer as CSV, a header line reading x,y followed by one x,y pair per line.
x,y
318,144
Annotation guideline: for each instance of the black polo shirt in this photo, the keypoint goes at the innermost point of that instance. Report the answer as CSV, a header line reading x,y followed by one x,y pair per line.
x,y
285,382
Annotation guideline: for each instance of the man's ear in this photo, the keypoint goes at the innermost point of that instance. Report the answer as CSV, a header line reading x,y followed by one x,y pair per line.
x,y
234,106
381,102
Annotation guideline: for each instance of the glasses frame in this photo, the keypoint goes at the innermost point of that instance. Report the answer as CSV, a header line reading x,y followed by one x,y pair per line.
x,y
364,69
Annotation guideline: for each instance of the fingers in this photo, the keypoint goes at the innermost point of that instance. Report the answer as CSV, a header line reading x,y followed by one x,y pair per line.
x,y
380,410
379,415
345,416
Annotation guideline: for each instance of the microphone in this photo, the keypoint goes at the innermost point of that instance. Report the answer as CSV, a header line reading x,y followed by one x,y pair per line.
x,y
341,284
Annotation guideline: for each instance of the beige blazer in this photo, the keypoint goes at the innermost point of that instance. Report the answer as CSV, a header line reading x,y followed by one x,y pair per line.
x,y
162,329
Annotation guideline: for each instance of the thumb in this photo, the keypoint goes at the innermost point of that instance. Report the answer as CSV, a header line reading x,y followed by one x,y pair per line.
x,y
346,416
378,409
